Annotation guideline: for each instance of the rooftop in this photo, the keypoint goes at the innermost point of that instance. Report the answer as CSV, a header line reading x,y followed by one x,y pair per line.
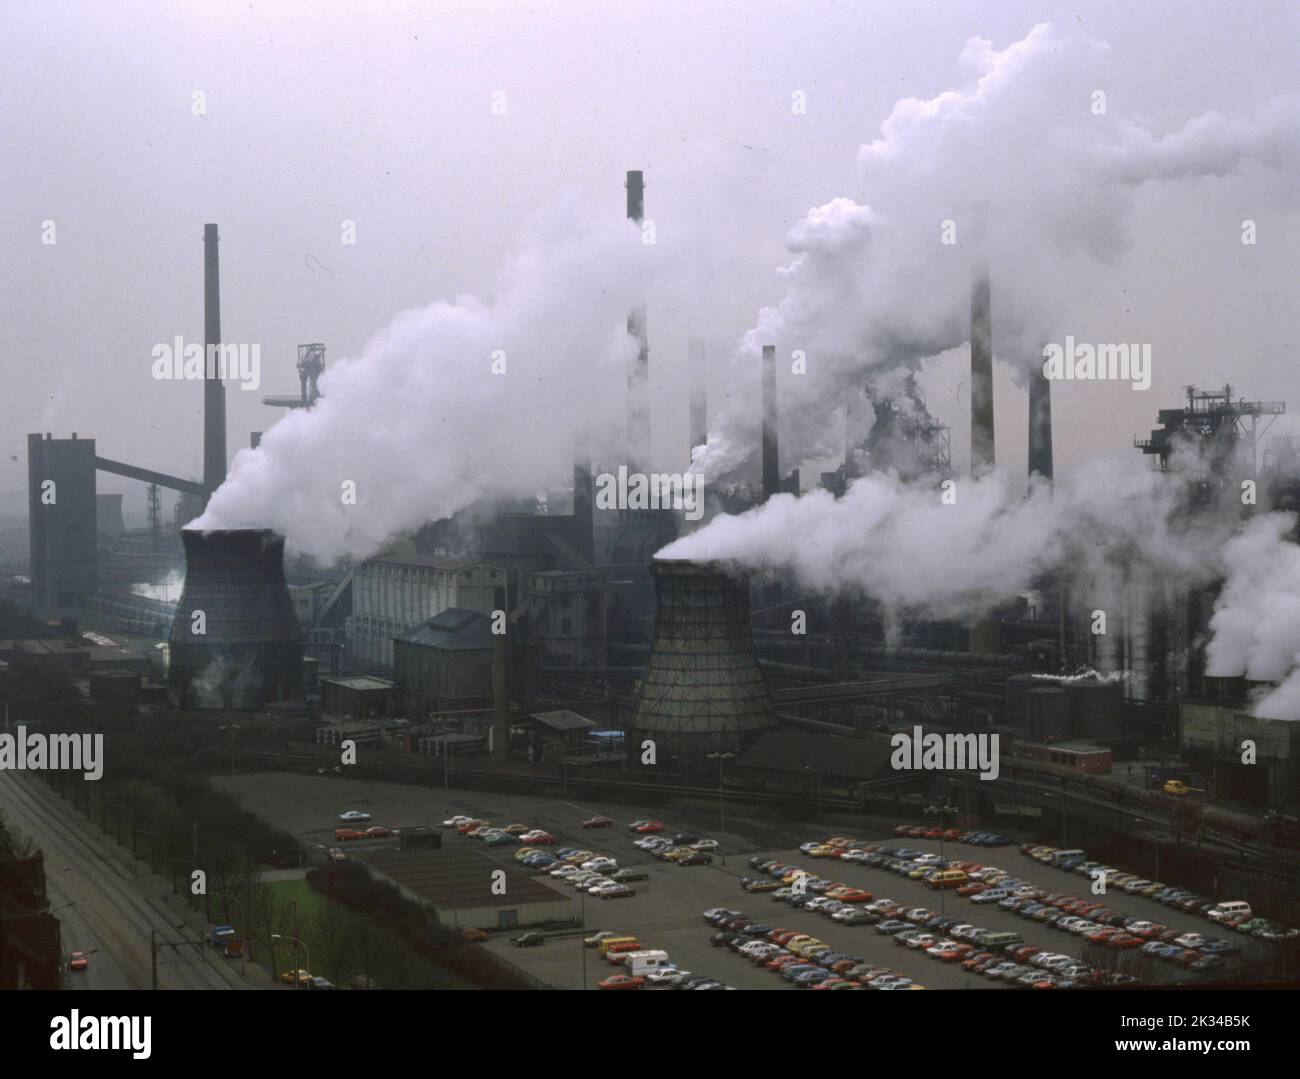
x,y
455,878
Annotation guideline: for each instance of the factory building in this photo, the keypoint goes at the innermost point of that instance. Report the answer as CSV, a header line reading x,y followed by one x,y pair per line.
x,y
62,519
400,590
445,664
568,618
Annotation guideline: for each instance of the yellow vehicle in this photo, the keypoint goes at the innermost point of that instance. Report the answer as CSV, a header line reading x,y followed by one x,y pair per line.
x,y
303,977
949,878
609,942
824,851
794,875
678,853
800,945
1177,786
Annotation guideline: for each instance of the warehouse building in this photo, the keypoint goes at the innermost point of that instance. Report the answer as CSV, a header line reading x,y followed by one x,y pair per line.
x,y
457,885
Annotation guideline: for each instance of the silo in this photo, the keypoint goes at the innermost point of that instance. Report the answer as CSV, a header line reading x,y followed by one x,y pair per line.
x,y
1017,691
703,691
235,642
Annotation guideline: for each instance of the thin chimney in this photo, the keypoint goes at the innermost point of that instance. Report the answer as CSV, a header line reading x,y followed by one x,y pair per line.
x,y
214,393
699,395
638,374
771,456
981,350
1040,424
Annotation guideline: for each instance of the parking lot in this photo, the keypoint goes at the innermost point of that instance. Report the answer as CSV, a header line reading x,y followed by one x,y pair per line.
x,y
666,911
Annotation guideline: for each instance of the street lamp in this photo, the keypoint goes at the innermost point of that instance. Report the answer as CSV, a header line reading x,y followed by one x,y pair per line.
x,y
231,727
941,811
297,981
722,801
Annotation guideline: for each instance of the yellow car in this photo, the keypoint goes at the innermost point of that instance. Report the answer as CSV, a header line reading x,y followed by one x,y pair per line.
x,y
678,853
794,875
288,977
516,829
524,852
1177,786
824,851
802,947
839,841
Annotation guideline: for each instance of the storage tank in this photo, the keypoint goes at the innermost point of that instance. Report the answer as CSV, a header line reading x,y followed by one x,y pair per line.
x,y
703,691
1047,714
235,642
1016,693
1098,709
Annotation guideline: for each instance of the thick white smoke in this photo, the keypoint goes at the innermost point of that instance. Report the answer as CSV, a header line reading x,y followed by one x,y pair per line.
x,y
920,555
1256,621
454,403
874,287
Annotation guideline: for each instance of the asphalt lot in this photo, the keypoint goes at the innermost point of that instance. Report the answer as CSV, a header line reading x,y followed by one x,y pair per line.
x,y
666,911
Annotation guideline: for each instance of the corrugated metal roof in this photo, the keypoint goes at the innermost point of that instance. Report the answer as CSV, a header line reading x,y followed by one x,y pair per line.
x,y
454,628
563,720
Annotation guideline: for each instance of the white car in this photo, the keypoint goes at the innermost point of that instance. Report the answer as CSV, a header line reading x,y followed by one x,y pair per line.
x,y
601,865
354,815
705,844
663,974
592,886
1136,885
564,872
1190,940
456,822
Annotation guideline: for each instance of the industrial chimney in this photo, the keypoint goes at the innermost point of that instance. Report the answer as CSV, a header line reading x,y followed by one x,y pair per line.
x,y
235,643
1040,424
981,350
699,418
771,455
214,393
638,374
703,691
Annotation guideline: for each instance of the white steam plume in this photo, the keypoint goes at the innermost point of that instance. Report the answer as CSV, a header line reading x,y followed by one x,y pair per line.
x,y
422,425
872,287
919,556
1256,621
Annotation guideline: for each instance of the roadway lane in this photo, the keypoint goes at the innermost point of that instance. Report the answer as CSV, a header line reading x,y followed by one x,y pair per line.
x,y
112,916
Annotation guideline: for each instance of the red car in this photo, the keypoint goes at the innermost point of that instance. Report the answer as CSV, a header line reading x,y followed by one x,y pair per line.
x,y
597,822
974,888
650,826
348,833
77,961
620,981
1124,940
377,831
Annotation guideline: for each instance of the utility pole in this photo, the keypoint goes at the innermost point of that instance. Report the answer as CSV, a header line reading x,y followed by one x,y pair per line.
x,y
153,955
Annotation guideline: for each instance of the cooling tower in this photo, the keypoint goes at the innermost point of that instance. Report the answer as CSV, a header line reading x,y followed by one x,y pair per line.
x,y
703,691
249,650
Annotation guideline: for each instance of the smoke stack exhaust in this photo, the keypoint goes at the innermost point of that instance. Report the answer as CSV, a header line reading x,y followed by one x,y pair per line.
x,y
771,456
699,396
214,393
638,374
1040,425
981,350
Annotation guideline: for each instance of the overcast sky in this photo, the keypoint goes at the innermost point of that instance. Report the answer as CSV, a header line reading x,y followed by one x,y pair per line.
x,y
314,114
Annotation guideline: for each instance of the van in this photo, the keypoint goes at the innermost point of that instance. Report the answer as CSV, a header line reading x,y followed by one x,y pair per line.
x,y
949,878
641,963
994,942
610,942
1230,909
1065,855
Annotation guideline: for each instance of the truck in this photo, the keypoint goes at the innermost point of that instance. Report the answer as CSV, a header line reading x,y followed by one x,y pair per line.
x,y
225,938
641,963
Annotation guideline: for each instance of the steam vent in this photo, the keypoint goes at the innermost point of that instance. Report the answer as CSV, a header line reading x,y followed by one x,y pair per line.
x,y
703,691
250,650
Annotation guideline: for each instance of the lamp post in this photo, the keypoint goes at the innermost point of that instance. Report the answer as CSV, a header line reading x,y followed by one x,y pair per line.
x,y
231,727
297,981
941,811
721,758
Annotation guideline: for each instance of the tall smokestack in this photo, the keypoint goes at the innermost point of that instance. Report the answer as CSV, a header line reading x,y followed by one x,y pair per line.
x,y
1040,424
638,374
771,457
981,349
699,395
214,393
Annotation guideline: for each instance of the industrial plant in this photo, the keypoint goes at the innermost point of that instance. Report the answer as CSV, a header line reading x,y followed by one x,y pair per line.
x,y
366,629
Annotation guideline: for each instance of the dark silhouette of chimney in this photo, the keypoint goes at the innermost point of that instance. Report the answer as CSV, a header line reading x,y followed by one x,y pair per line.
x,y
699,395
214,393
638,374
771,454
1040,424
981,350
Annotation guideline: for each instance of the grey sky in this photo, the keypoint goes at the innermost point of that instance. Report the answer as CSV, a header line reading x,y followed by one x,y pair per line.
x,y
381,114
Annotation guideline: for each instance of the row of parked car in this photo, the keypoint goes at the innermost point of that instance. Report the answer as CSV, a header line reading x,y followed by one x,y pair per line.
x,y
683,849
952,835
799,958
1229,913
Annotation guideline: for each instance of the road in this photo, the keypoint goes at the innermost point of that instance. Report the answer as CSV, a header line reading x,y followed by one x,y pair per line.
x,y
112,917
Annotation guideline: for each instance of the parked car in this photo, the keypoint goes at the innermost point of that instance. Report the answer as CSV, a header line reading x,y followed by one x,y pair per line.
x,y
528,940
597,822
354,815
